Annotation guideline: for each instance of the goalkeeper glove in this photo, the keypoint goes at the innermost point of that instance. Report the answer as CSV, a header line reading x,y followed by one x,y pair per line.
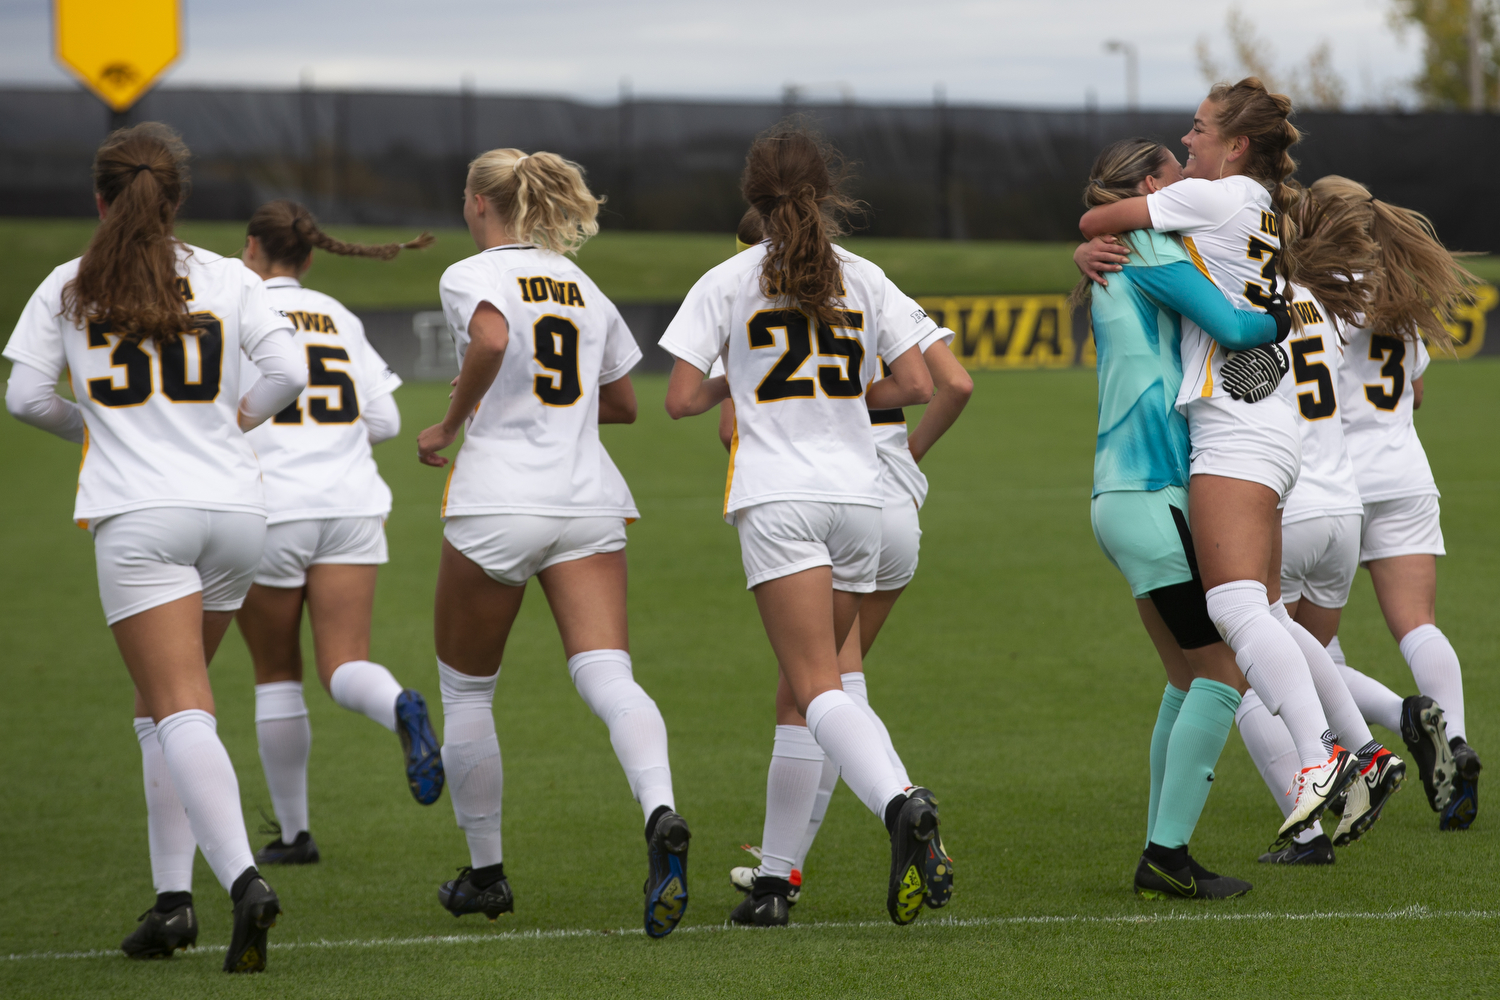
x,y
1281,312
1254,374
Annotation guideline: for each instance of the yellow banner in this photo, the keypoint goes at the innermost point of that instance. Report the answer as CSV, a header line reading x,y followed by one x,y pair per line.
x,y
1039,331
117,48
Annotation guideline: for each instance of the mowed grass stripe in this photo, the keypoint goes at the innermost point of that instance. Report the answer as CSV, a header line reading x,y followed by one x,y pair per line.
x,y
563,933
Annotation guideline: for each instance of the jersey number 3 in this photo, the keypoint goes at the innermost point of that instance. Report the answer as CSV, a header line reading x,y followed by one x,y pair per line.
x,y
1391,369
175,381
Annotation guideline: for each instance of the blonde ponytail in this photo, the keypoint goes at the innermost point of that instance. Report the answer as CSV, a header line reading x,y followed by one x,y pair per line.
x,y
541,196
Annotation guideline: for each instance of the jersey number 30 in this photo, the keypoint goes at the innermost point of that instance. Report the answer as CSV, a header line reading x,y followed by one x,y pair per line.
x,y
175,383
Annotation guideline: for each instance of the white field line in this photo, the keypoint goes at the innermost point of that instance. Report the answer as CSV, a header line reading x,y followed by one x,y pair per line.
x,y
1407,913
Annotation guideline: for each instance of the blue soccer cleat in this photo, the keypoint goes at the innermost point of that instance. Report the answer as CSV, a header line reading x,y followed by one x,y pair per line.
x,y
424,758
1464,804
666,882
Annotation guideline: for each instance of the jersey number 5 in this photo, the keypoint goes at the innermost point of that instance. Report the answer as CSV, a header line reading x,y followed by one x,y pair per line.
x,y
837,381
320,376
1322,403
175,380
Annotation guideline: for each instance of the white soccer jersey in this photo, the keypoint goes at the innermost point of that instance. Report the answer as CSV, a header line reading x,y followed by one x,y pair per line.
x,y
802,431
532,445
1376,397
1326,484
901,478
315,455
160,421
1229,229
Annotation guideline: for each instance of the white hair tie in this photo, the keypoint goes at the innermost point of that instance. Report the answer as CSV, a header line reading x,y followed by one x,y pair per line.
x,y
521,157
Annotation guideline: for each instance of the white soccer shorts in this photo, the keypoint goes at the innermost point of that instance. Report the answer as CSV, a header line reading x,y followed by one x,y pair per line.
x,y
292,546
147,558
1405,526
1256,442
512,548
1319,557
788,536
900,544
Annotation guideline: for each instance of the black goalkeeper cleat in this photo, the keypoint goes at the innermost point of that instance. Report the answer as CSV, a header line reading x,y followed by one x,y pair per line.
x,y
301,851
1426,737
1154,881
255,911
766,905
1318,851
914,829
939,865
1464,804
465,895
666,878
159,934
424,757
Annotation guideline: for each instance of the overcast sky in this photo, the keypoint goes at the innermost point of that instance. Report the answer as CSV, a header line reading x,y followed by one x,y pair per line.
x,y
1030,52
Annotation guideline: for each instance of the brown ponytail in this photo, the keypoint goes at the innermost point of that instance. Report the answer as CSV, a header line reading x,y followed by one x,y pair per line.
x,y
1327,253
287,233
1420,281
128,275
793,179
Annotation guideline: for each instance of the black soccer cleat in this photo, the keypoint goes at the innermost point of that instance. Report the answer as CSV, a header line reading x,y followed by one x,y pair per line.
x,y
1464,804
424,757
158,934
1318,851
1426,737
464,895
915,827
939,865
766,905
666,876
255,912
301,851
1153,881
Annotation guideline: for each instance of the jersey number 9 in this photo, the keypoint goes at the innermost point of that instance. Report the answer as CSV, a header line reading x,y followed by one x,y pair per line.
x,y
173,352
556,342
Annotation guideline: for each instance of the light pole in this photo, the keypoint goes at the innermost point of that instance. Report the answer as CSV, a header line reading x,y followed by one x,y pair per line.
x,y
1132,71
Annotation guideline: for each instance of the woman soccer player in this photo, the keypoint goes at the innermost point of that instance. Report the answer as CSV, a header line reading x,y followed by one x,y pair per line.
x,y
1140,503
1400,535
326,532
804,485
1231,210
545,358
151,332
796,755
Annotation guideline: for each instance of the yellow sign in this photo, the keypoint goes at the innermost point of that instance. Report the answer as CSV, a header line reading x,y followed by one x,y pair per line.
x,y
117,48
1012,331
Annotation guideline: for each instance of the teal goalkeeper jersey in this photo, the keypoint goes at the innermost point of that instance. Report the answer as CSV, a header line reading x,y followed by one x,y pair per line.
x,y
1143,439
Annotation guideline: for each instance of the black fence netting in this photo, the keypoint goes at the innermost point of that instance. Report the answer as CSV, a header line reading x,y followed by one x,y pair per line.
x,y
934,171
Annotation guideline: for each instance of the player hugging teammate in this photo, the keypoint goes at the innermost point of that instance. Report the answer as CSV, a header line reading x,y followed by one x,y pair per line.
x,y
1333,265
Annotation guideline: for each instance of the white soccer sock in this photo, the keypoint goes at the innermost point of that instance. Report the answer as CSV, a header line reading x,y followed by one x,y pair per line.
x,y
851,740
827,782
366,688
1378,703
1434,666
285,740
607,685
854,686
210,792
791,791
1272,663
1344,716
471,761
168,833
1270,747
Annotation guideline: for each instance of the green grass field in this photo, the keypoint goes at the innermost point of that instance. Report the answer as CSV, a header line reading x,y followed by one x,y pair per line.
x,y
1014,677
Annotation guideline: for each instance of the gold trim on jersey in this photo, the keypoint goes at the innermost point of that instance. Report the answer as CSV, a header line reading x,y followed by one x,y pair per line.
x,y
1192,249
734,446
1208,372
447,485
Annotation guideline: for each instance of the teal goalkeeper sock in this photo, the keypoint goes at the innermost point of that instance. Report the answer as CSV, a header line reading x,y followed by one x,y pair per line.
x,y
1166,718
1198,738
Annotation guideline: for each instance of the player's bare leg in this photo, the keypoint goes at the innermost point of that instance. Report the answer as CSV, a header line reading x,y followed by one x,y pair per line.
x,y
1406,587
587,597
